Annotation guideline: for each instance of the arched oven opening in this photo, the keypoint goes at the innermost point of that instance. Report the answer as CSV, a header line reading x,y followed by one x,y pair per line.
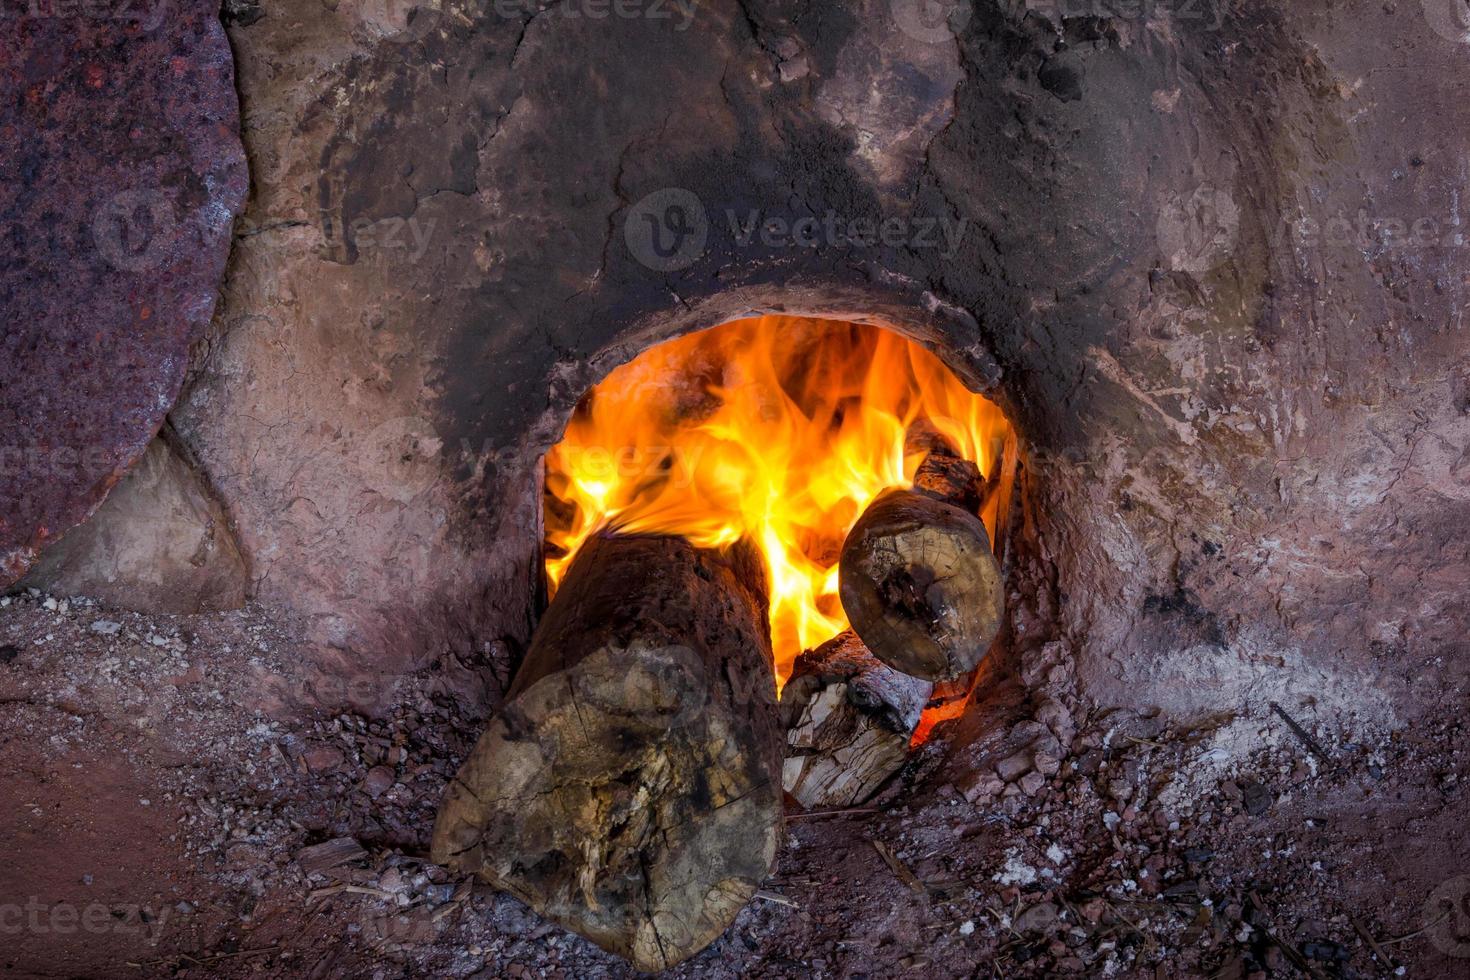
x,y
775,556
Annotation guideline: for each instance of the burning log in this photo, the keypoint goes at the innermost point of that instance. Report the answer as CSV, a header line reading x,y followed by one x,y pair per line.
x,y
630,788
849,720
918,579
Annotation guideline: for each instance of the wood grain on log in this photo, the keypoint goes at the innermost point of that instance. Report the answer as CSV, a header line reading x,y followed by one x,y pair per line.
x,y
630,789
917,577
849,719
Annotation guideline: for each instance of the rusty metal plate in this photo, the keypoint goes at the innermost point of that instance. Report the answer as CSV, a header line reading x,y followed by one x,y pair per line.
x,y
121,171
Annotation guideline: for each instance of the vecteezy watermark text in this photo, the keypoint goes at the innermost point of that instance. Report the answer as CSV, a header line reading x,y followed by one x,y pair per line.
x,y
148,14
66,919
1212,12
59,461
669,229
633,464
408,235
832,230
681,11
1198,230
409,21
1366,232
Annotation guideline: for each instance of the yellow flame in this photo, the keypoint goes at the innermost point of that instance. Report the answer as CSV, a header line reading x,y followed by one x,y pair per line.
x,y
776,429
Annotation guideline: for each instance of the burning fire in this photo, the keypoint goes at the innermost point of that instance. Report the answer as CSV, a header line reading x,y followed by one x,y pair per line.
x,y
779,429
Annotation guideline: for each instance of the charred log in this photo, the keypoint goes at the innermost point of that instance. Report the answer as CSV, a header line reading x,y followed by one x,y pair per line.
x,y
849,720
630,789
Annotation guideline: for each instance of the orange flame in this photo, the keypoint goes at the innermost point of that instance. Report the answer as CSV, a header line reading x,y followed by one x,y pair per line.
x,y
779,429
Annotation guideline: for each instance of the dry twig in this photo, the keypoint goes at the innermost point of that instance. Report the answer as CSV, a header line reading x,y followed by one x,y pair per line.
x,y
214,958
1301,733
819,814
900,871
777,897
1367,937
1418,932
1292,953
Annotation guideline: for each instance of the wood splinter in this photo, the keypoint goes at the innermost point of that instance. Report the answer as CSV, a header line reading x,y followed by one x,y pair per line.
x,y
849,720
918,578
630,789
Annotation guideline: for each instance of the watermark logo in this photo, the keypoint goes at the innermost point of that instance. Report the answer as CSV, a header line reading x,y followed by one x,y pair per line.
x,y
134,229
668,686
1450,19
1197,230
403,21
399,458
1447,917
931,21
632,465
667,230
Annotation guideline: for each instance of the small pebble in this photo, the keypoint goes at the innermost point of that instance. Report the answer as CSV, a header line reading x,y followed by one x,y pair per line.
x,y
378,781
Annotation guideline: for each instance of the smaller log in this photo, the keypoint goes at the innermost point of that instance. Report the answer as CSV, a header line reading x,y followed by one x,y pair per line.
x,y
917,576
849,720
951,480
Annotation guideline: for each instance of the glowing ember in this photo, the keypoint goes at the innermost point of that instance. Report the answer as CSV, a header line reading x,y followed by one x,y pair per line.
x,y
780,429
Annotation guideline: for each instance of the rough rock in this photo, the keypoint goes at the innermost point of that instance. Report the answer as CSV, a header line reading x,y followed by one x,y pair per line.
x,y
159,543
378,781
1013,767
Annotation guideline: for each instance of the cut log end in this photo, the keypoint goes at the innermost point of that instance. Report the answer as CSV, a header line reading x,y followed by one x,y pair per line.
x,y
630,788
921,585
849,722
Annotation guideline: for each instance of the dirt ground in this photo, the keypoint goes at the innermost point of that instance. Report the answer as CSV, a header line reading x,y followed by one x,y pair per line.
x,y
168,781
